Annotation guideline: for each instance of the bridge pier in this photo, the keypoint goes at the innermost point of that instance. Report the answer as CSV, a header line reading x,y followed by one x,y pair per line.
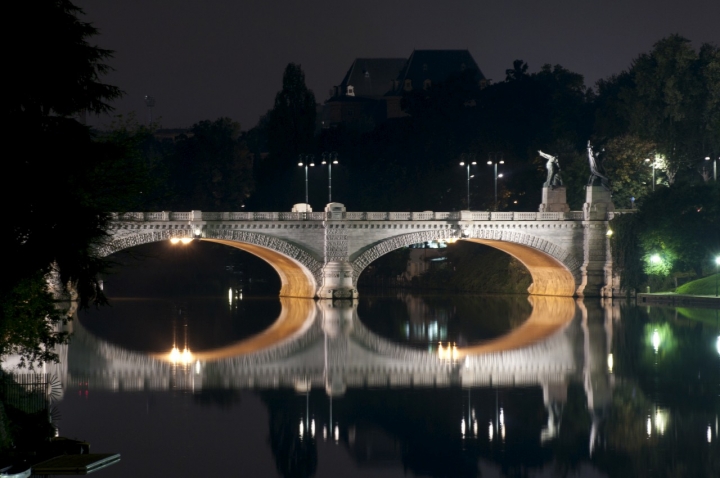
x,y
596,267
337,281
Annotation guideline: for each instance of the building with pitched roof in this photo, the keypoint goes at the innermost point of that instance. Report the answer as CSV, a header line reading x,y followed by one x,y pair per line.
x,y
372,89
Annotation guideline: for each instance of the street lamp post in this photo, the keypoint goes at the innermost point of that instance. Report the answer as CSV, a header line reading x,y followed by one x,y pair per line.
x,y
329,159
494,159
717,273
307,161
468,163
707,158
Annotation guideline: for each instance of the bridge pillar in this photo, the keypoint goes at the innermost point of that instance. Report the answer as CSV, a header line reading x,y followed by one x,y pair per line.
x,y
337,281
597,262
337,324
337,273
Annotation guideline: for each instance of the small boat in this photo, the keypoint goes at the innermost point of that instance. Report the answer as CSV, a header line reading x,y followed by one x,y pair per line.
x,y
19,469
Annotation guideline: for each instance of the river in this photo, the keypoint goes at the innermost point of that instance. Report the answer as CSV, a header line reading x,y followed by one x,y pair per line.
x,y
394,384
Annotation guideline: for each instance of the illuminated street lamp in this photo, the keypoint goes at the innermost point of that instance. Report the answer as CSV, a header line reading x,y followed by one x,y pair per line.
x,y
468,164
307,161
329,159
707,158
494,159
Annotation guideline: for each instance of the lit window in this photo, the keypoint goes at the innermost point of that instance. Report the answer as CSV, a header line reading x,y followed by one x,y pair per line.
x,y
350,90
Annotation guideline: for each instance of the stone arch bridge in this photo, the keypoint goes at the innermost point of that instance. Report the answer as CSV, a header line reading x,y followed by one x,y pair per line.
x,y
322,254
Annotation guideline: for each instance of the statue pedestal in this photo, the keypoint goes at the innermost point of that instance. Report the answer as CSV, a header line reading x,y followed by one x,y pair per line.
x,y
598,203
554,199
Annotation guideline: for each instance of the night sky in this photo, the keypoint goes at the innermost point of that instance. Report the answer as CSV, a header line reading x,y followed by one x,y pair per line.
x,y
204,60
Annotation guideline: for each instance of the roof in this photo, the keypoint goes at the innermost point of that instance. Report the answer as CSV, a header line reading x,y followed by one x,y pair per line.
x,y
372,77
436,66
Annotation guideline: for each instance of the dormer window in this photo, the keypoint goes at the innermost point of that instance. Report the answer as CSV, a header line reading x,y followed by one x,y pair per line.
x,y
350,90
408,85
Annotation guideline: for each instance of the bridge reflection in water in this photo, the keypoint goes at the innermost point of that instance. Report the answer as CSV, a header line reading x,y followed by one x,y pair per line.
x,y
325,345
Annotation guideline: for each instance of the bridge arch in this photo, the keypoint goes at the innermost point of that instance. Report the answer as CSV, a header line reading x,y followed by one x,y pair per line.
x,y
299,272
554,270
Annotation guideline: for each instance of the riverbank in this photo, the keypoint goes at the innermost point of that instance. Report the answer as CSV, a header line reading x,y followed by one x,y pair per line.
x,y
679,300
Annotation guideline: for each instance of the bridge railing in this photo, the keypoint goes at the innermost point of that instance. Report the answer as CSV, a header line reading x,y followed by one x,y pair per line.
x,y
353,216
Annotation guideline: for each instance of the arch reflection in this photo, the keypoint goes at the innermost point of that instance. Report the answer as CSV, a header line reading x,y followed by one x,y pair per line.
x,y
325,345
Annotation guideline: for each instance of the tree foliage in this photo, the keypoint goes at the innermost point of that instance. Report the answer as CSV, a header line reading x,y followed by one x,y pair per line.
x,y
210,168
63,179
287,131
29,322
682,226
291,124
670,97
55,70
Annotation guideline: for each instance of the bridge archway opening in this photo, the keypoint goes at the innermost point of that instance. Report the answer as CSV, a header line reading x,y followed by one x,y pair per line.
x,y
549,275
295,279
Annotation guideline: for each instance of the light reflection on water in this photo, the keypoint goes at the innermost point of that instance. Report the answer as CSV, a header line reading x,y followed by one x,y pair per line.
x,y
587,387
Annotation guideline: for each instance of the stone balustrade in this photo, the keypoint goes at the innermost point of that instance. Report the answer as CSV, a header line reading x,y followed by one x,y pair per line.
x,y
349,216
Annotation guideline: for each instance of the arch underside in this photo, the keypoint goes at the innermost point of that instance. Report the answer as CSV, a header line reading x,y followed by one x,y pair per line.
x,y
554,270
550,276
299,272
295,279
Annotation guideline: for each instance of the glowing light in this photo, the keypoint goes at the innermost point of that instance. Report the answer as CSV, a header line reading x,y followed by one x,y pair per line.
x,y
197,231
324,433
717,260
230,294
448,353
660,421
182,358
502,432
609,232
312,428
174,240
197,367
656,340
475,428
462,427
502,417
186,240
302,428
709,434
718,344
610,362
648,426
491,431
655,259
337,434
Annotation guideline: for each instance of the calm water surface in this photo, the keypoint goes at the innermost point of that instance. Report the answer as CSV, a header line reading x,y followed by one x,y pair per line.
x,y
362,389
608,403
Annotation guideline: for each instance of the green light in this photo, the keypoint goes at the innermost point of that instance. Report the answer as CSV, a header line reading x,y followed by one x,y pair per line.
x,y
656,340
655,259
